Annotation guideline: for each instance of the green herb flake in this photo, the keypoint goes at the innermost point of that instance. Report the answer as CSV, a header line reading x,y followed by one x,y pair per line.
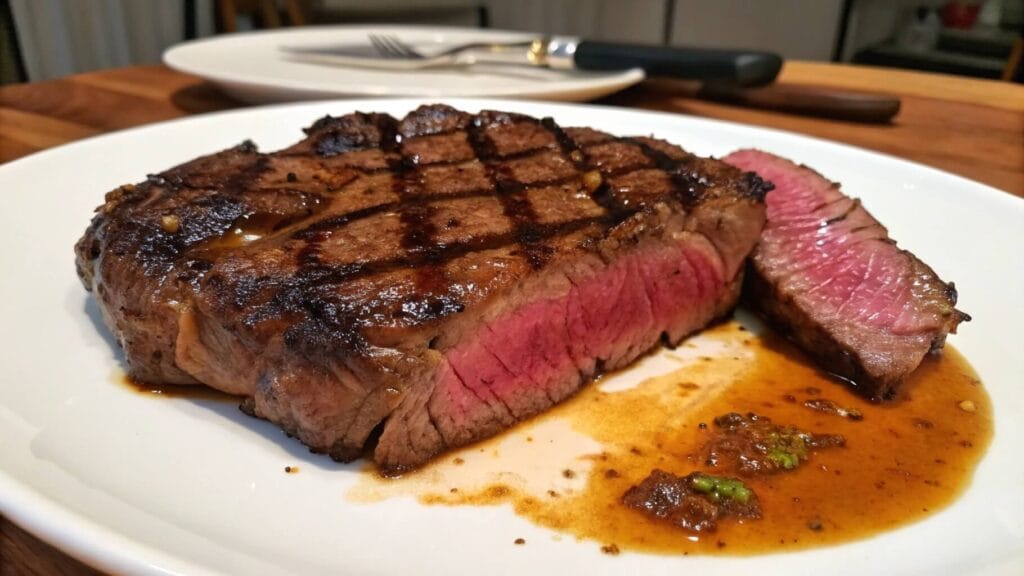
x,y
720,489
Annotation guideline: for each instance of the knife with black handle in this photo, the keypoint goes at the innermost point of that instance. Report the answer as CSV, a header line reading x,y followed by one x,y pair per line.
x,y
736,67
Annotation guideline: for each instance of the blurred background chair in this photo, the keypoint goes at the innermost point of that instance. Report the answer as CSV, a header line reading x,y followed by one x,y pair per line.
x,y
262,13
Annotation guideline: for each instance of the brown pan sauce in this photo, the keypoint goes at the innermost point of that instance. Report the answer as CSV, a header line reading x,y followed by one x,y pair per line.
x,y
191,392
902,460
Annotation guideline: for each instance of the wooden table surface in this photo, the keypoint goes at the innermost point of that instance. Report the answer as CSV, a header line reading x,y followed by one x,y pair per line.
x,y
974,128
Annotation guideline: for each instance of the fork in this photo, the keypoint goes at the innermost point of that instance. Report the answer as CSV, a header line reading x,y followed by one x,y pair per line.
x,y
390,53
738,67
391,47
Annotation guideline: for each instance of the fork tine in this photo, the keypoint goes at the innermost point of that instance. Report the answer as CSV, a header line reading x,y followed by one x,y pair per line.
x,y
380,46
394,50
400,47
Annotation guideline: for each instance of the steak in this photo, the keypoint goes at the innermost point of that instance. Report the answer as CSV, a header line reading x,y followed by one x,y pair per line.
x,y
827,274
423,282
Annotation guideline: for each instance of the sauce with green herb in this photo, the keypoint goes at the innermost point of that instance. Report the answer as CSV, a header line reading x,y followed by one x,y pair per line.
x,y
898,463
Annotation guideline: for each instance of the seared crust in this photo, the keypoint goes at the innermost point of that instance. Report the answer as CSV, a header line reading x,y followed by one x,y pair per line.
x,y
323,280
143,254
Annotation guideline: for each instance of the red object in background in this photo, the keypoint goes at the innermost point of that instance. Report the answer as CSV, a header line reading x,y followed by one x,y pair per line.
x,y
960,14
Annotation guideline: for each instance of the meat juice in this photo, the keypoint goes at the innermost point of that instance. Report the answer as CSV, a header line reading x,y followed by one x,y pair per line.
x,y
568,469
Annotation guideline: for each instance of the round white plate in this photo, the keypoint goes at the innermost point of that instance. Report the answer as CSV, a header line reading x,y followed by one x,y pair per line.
x,y
252,67
174,486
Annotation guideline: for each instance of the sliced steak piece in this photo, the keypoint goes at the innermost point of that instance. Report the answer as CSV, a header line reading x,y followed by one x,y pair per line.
x,y
827,273
436,278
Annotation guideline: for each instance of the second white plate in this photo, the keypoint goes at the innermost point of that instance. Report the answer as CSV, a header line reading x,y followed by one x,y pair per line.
x,y
252,67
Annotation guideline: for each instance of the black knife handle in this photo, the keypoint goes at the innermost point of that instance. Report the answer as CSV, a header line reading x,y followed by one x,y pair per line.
x,y
743,68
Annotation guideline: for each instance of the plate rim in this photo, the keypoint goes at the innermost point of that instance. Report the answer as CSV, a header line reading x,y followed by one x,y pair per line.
x,y
172,57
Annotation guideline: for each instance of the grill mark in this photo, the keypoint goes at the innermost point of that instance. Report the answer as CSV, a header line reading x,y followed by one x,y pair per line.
x,y
520,155
308,256
158,250
334,222
339,220
294,294
511,193
419,234
422,253
231,193
690,185
448,252
602,194
565,142
416,212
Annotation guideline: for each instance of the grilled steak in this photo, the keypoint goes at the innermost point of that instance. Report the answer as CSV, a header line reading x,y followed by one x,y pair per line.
x,y
435,279
827,273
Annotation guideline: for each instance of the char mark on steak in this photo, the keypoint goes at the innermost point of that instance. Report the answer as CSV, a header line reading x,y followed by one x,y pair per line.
x,y
447,274
827,274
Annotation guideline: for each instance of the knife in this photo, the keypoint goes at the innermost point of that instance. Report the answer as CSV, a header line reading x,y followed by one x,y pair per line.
x,y
737,67
834,103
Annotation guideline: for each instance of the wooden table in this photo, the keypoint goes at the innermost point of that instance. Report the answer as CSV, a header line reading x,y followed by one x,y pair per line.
x,y
974,128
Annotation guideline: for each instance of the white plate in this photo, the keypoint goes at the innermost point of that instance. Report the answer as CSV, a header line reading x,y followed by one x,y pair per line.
x,y
252,67
141,486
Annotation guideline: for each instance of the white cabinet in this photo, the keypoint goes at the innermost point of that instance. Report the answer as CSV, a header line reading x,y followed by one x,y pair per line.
x,y
801,29
621,20
805,29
